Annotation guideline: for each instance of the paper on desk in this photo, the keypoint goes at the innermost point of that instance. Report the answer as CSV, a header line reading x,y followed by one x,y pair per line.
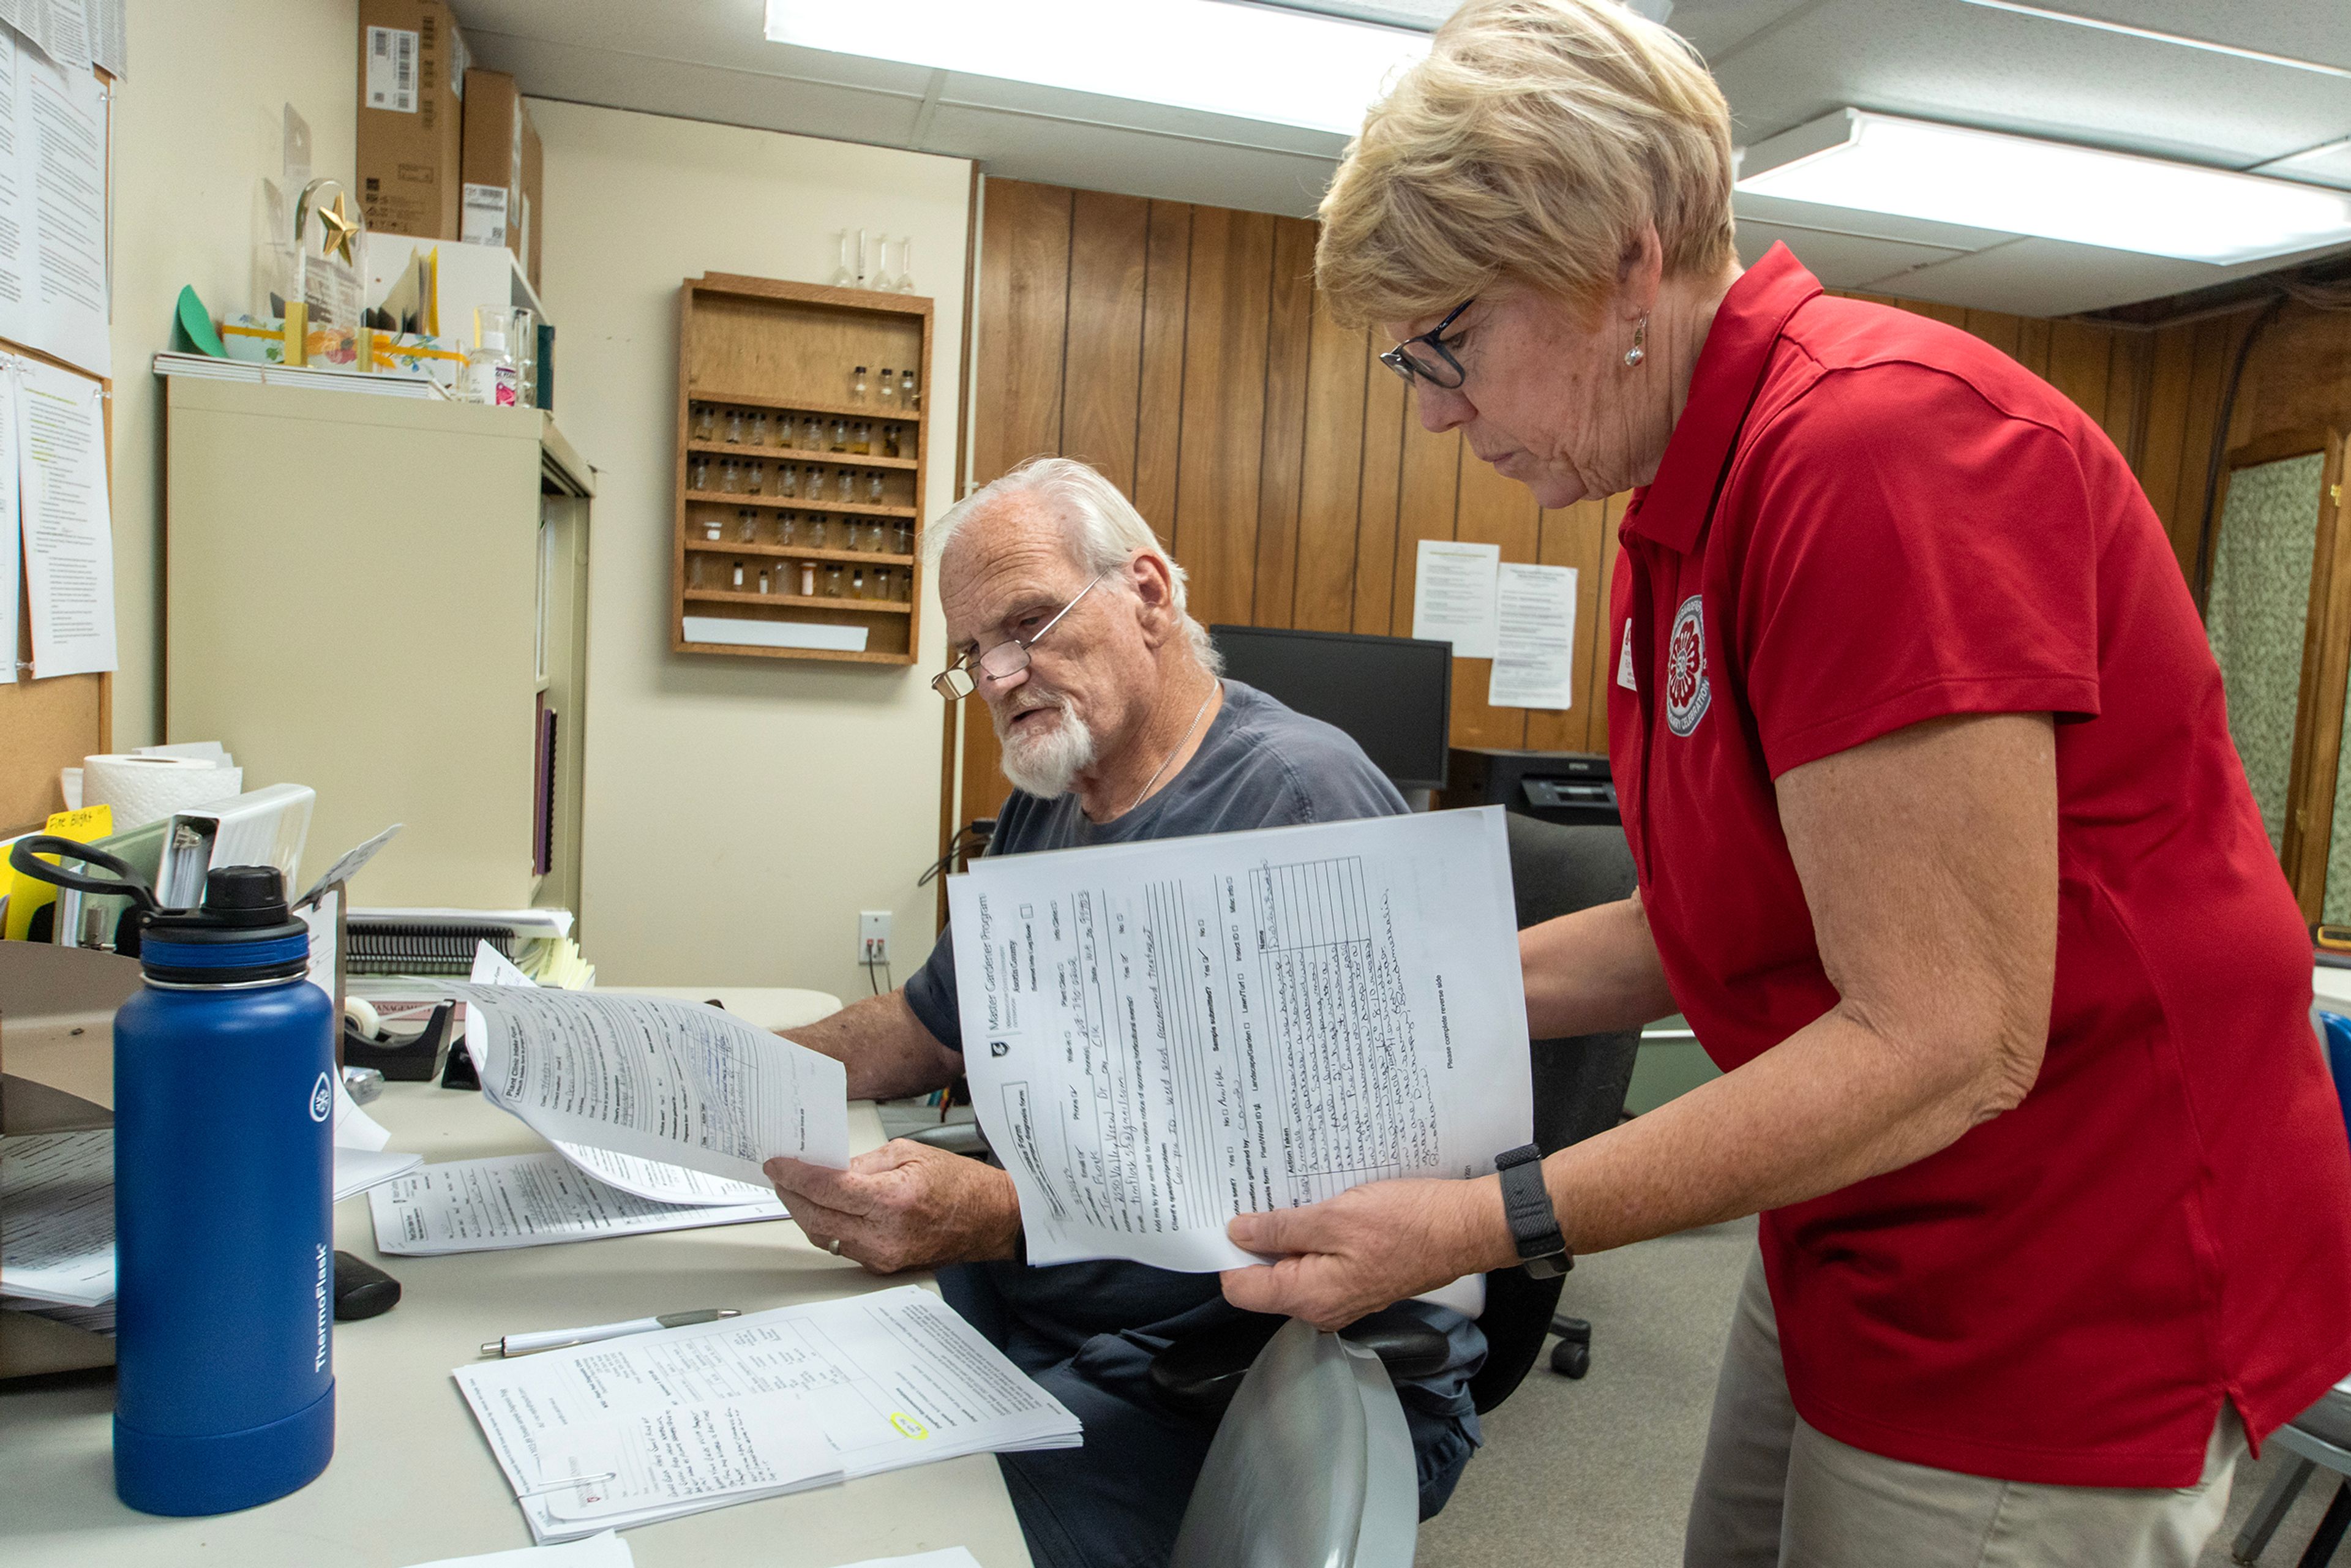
x,y
704,1454
953,1557
354,1128
60,440
674,1083
57,1217
526,1200
1453,596
604,1551
884,1380
1163,1035
356,1170
1534,651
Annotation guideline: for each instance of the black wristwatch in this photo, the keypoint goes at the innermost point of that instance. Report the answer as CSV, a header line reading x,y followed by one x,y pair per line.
x,y
1527,1204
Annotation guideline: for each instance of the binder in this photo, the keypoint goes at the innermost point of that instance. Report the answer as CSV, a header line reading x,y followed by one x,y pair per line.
x,y
261,826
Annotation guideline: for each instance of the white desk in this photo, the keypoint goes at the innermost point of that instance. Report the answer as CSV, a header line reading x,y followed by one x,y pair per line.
x,y
412,1479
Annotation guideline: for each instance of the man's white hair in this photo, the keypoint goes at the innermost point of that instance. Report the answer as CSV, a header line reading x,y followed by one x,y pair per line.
x,y
1103,529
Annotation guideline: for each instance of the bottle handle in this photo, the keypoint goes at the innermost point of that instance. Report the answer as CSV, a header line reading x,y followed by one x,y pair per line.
x,y
126,882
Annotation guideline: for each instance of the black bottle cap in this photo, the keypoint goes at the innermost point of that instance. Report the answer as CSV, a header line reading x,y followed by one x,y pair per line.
x,y
241,904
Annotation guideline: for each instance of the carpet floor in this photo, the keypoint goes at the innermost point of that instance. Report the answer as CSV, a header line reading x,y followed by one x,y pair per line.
x,y
1598,1471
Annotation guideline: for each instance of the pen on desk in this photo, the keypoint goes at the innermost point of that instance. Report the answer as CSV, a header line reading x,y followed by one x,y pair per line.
x,y
557,1339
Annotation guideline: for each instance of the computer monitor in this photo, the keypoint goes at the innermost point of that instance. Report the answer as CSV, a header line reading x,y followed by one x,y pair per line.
x,y
1392,695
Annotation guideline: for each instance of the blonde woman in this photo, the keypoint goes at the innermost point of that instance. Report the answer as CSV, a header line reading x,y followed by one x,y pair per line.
x,y
1942,849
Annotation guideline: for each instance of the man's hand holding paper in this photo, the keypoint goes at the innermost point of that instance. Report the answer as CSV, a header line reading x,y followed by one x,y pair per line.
x,y
904,1206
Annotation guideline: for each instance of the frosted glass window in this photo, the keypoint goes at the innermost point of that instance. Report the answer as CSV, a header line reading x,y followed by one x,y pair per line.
x,y
2255,612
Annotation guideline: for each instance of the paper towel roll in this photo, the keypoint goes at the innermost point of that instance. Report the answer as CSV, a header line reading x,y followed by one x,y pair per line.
x,y
143,789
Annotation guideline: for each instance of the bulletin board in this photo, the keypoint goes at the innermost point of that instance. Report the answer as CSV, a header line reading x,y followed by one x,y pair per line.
x,y
51,724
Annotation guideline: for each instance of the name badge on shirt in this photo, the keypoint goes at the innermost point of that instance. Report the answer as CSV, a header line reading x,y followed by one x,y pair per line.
x,y
1624,659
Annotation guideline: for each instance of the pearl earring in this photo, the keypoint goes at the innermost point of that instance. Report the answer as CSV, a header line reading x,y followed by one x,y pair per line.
x,y
1640,350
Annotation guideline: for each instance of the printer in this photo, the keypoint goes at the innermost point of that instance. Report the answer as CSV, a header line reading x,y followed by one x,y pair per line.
x,y
1567,787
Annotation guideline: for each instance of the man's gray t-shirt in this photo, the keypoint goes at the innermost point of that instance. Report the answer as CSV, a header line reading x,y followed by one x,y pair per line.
x,y
1261,764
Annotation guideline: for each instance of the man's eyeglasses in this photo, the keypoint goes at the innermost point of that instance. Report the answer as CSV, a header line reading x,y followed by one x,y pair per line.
x,y
1426,359
1002,662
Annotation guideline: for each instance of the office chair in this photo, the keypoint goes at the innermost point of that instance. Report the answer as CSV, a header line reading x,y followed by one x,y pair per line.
x,y
2322,1433
1312,1465
1579,1080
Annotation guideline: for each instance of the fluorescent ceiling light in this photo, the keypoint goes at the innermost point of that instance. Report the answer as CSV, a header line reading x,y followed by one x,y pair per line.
x,y
1986,180
1252,62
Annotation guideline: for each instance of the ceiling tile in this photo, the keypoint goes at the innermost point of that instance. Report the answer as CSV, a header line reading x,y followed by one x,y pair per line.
x,y
1840,261
1107,158
2050,278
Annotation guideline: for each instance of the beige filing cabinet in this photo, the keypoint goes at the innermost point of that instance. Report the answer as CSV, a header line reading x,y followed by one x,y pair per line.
x,y
386,598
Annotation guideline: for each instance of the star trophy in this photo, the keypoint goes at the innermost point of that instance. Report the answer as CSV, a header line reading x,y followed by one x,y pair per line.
x,y
340,236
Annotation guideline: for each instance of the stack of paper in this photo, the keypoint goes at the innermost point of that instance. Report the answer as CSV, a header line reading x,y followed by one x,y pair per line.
x,y
624,1432
383,383
539,1200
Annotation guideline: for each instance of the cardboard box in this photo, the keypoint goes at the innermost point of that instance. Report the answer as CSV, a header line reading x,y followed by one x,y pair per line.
x,y
413,61
498,196
534,206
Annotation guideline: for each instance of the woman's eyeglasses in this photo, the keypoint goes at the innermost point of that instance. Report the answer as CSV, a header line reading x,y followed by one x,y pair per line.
x,y
1426,359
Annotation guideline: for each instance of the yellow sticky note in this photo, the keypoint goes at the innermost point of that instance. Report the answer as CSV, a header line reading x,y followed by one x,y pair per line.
x,y
26,896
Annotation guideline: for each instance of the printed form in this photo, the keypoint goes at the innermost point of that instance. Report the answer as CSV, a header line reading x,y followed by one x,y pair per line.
x,y
1160,1036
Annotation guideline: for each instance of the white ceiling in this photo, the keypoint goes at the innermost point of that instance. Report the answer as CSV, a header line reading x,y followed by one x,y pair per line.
x,y
1780,63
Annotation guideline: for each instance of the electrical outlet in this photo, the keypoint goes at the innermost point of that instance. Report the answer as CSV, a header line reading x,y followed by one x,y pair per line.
x,y
874,936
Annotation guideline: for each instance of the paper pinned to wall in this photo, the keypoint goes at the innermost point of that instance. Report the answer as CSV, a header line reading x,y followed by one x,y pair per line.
x,y
1453,596
58,28
59,426
1534,652
61,150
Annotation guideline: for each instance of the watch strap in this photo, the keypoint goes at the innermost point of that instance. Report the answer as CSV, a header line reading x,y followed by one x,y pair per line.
x,y
1526,1204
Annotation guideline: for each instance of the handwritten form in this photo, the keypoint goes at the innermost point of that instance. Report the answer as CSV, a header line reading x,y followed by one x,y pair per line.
x,y
675,1083
625,1431
529,1200
1160,1036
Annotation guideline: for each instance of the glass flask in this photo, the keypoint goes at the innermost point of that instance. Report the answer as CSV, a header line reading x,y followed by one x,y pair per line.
x,y
734,427
730,477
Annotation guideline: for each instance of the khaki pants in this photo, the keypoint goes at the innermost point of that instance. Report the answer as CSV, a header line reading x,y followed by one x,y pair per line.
x,y
1772,1492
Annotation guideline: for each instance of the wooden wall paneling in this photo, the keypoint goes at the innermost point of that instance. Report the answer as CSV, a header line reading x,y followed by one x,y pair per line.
x,y
1429,493
2080,353
2032,345
1024,306
1159,400
2326,670
1331,474
1290,322
1024,318
1223,409
1387,406
1102,366
1491,510
1571,536
1994,327
2126,393
2172,357
2216,343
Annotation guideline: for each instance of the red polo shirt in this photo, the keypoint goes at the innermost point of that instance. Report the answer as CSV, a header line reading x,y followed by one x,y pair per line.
x,y
1865,520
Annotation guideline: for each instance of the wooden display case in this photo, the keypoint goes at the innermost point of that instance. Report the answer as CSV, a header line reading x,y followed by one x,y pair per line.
x,y
755,347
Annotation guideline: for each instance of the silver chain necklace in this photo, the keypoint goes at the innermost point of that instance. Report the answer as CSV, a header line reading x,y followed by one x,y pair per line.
x,y
1214,687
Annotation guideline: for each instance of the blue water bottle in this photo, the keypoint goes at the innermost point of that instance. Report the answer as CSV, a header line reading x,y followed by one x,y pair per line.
x,y
223,1113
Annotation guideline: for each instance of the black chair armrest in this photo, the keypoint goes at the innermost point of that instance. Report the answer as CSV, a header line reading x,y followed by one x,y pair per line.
x,y
955,1137
1198,1375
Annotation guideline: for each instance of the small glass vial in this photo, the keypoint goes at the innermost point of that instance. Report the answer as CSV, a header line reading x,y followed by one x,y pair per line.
x,y
710,528
841,435
763,580
746,525
908,398
759,429
860,439
738,576
813,434
902,540
814,487
818,534
883,586
832,582
888,391
706,422
787,480
734,427
755,476
873,486
693,572
857,584
857,386
807,580
877,537
890,442
788,526
730,477
697,473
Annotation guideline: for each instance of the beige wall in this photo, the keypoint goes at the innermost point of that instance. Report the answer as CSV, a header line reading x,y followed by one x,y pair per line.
x,y
198,124
739,812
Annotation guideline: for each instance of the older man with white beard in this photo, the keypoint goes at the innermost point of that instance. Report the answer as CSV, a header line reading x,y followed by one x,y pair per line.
x,y
1067,619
